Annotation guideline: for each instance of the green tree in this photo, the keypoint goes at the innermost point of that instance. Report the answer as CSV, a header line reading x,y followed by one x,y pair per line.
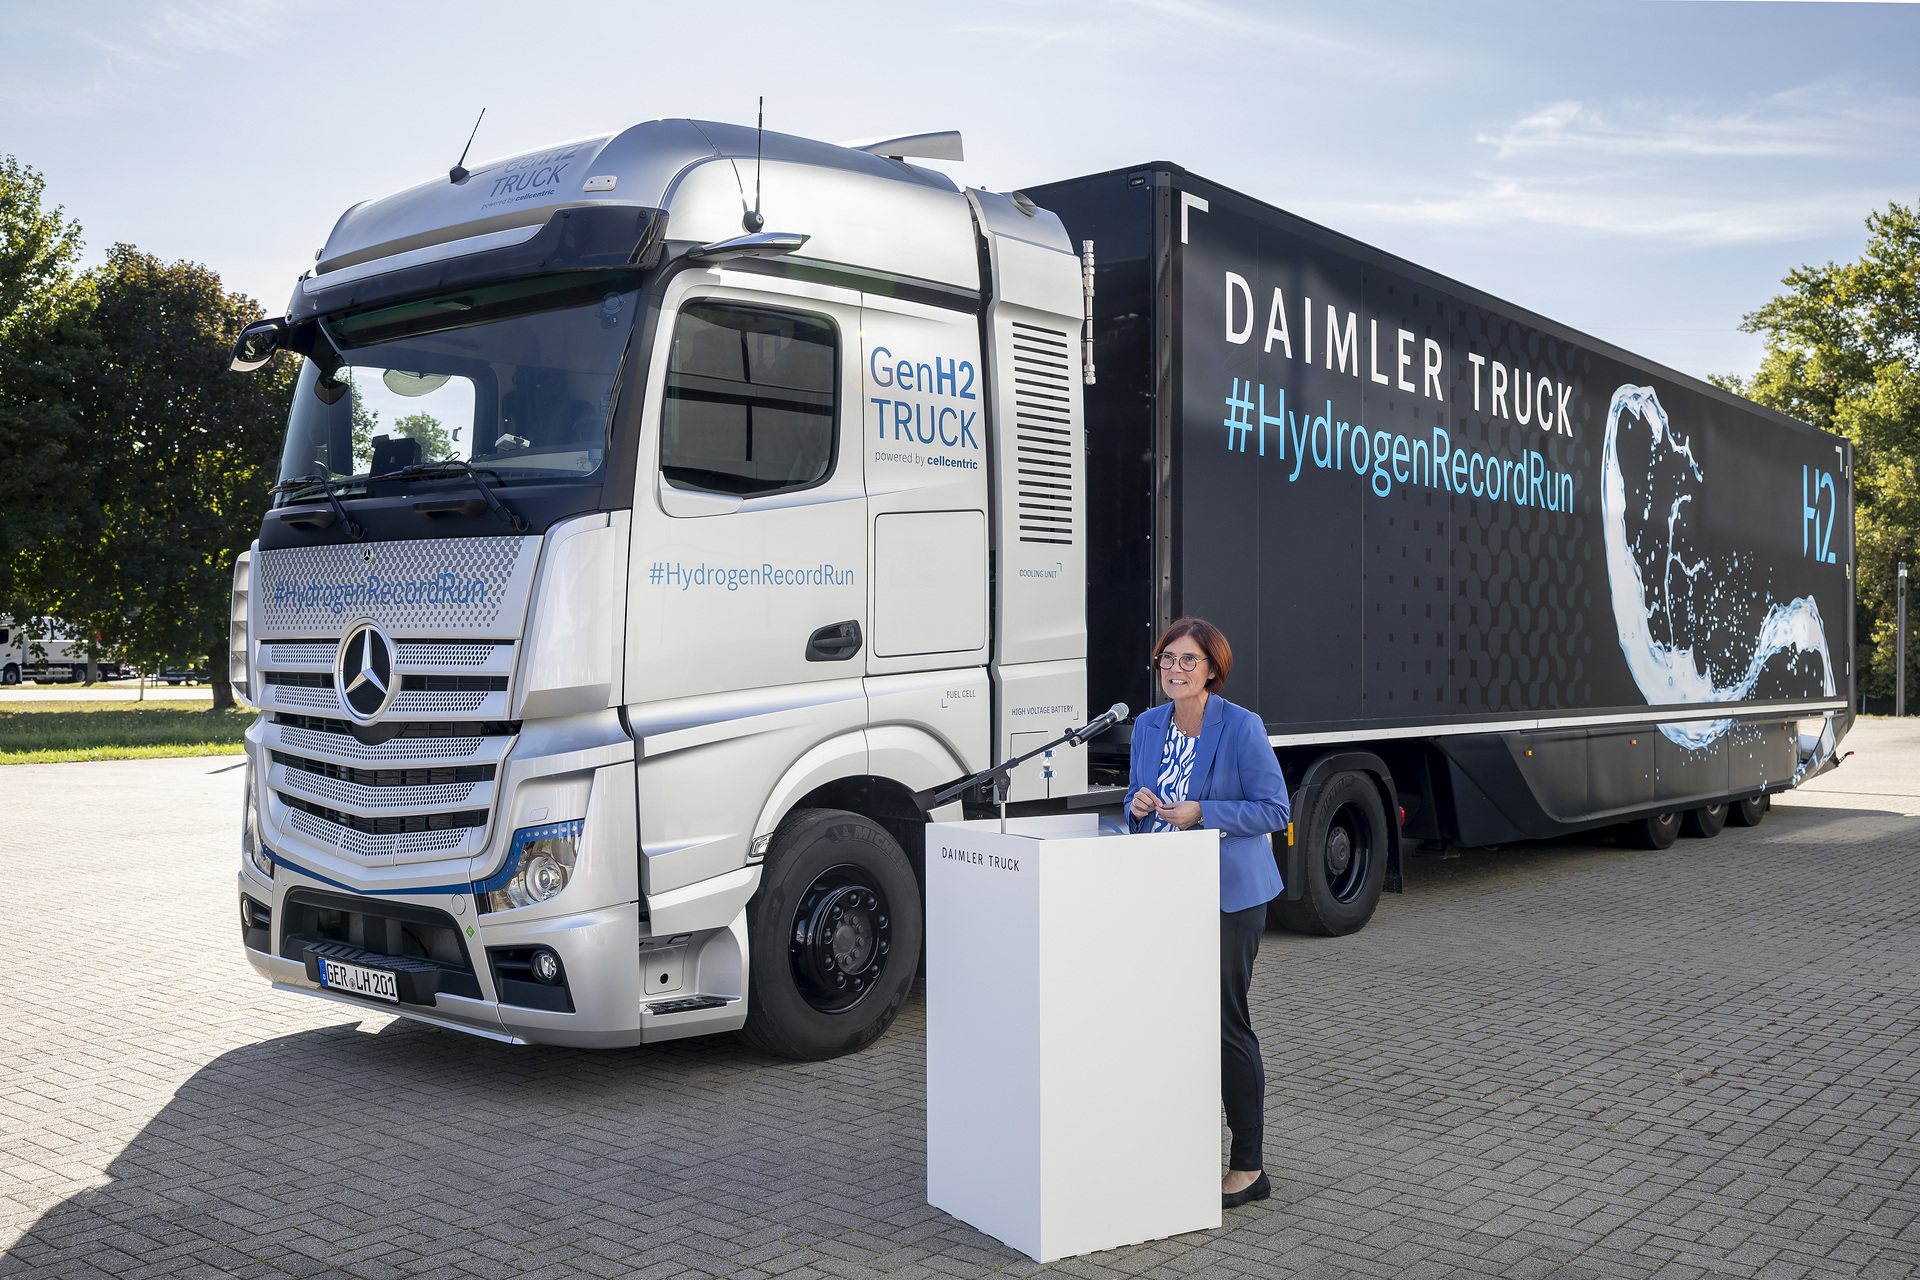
x,y
41,303
190,450
366,423
424,427
1843,353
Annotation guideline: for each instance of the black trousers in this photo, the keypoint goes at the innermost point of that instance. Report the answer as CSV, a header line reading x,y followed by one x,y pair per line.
x,y
1243,1080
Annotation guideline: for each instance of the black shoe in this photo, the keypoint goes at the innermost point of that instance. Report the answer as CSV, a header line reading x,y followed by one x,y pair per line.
x,y
1258,1189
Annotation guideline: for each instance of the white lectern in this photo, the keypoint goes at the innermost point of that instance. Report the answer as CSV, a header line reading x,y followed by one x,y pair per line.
x,y
1073,1032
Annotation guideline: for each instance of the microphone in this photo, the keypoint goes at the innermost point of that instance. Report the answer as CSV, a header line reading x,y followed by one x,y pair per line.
x,y
1000,773
1106,720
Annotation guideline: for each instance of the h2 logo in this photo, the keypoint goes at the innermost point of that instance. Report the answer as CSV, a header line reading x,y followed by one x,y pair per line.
x,y
1816,534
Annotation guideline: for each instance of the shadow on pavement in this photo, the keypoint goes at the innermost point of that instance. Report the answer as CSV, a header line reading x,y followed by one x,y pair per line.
x,y
1564,853
416,1148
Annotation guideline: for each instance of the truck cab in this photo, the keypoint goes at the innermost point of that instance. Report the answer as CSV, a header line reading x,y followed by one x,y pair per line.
x,y
663,517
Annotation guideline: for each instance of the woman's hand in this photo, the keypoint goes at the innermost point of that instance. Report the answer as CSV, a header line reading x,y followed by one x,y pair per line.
x,y
1182,815
1143,803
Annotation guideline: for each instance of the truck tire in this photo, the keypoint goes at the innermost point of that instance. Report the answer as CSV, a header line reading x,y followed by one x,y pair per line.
x,y
1657,832
1748,812
11,674
1345,860
835,936
1705,822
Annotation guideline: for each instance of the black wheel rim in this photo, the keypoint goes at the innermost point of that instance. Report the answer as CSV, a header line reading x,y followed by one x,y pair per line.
x,y
1349,852
841,937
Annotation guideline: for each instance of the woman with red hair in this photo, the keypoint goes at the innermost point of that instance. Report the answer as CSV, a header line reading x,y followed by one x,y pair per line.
x,y
1200,761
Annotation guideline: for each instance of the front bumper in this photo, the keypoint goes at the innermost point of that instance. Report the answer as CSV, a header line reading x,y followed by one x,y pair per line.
x,y
475,988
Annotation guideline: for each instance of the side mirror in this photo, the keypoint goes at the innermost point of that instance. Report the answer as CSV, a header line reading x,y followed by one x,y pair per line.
x,y
767,244
256,344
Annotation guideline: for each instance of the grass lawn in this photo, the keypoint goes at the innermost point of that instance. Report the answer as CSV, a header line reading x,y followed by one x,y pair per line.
x,y
46,732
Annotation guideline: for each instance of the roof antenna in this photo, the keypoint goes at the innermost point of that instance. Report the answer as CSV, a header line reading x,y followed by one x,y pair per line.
x,y
459,171
753,221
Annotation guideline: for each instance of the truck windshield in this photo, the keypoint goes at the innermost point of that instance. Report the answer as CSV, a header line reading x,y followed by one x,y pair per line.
x,y
516,378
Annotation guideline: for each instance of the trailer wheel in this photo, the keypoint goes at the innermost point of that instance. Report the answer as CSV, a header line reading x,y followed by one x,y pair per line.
x,y
1748,812
835,937
11,674
1705,822
1345,860
1657,832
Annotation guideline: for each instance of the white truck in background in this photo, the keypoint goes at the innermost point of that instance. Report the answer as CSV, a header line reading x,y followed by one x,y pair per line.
x,y
44,651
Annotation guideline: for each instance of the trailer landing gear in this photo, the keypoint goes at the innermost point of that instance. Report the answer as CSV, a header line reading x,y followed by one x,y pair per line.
x,y
835,933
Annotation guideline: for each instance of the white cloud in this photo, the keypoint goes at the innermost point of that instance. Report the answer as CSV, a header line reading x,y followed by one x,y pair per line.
x,y
1174,25
92,62
236,30
1619,207
1680,172
1825,119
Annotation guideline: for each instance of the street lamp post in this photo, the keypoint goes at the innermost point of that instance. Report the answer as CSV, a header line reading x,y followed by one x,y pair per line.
x,y
1900,645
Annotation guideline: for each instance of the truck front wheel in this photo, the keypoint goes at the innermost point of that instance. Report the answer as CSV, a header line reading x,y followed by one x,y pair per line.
x,y
1345,860
10,674
835,934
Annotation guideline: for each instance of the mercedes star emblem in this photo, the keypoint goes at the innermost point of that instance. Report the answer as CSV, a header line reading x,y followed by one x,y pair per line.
x,y
363,672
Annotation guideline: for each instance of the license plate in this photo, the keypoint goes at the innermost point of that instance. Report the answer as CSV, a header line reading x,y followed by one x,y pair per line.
x,y
359,981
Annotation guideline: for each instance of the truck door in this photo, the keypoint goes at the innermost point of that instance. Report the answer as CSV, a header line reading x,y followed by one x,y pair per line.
x,y
925,435
747,600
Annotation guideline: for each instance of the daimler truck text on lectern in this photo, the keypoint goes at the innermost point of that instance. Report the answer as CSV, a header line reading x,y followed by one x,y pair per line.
x,y
666,517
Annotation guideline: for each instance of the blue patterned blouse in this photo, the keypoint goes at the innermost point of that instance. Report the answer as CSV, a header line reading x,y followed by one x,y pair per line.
x,y
1176,774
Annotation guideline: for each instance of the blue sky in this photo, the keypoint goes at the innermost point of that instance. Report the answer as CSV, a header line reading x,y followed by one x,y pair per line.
x,y
1645,171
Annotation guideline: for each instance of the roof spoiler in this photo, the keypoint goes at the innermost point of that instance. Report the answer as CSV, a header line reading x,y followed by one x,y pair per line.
x,y
943,145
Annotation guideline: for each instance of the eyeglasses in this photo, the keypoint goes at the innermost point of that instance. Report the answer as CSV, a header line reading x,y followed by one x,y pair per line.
x,y
1186,661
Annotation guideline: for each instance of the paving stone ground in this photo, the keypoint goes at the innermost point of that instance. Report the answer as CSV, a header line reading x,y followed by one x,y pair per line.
x,y
1569,1059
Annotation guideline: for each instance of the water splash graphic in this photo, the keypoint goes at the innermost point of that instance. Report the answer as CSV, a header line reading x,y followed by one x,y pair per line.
x,y
1675,637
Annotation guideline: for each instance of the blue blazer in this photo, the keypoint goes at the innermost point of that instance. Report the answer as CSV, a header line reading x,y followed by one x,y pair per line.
x,y
1236,779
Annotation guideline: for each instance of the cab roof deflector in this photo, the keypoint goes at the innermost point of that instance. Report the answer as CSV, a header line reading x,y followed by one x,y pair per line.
x,y
942,145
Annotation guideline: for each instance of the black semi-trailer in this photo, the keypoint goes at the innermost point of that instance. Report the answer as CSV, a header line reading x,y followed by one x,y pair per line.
x,y
1487,578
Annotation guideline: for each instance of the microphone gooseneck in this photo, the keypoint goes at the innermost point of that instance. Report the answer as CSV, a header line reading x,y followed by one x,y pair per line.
x,y
998,775
1106,720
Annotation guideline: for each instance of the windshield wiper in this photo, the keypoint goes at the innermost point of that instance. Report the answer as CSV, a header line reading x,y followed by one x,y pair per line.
x,y
347,522
453,467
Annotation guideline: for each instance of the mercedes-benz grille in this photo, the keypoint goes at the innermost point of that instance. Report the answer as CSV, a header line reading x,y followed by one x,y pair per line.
x,y
416,786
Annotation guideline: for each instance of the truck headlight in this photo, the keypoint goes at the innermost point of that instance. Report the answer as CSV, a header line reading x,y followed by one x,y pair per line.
x,y
539,865
250,844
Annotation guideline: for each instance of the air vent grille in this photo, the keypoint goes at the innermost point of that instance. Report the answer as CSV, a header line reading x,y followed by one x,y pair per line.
x,y
1044,435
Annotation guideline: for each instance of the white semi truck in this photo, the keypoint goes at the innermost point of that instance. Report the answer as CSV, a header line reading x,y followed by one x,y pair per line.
x,y
665,516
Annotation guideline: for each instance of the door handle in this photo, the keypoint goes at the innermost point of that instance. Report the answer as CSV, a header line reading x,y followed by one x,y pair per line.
x,y
835,642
